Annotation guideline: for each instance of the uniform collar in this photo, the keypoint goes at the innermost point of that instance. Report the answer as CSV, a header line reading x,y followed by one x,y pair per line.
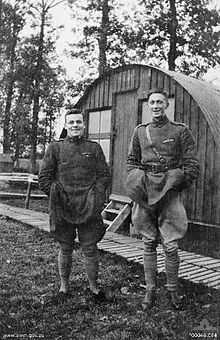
x,y
160,121
76,140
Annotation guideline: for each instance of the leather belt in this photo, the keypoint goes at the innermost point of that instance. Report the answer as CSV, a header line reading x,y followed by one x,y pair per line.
x,y
156,168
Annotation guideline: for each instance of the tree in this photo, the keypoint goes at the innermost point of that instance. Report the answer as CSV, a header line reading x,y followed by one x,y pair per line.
x,y
175,34
103,37
17,24
51,96
184,33
100,46
11,24
42,9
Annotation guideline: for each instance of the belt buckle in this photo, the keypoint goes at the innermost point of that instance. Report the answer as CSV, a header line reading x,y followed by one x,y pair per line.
x,y
154,168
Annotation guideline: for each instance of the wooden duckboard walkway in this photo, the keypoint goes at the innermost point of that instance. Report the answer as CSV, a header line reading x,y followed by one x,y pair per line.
x,y
193,267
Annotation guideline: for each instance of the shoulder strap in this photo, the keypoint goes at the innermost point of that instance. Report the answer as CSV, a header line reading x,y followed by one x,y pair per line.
x,y
156,152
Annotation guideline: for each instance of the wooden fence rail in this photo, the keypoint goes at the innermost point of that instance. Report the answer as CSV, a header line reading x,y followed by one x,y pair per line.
x,y
20,177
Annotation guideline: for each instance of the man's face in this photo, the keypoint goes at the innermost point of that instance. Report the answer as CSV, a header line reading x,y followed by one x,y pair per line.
x,y
157,103
74,125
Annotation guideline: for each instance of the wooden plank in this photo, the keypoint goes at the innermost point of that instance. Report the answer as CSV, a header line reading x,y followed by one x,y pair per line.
x,y
167,84
210,183
154,73
160,80
194,126
145,81
202,142
106,91
120,198
117,247
213,266
216,189
20,195
173,84
137,73
96,95
210,278
136,257
190,271
101,93
189,255
179,104
203,262
124,213
129,251
185,257
129,79
205,274
128,254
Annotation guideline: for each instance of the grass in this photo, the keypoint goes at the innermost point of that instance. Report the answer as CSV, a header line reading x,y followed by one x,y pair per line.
x,y
29,284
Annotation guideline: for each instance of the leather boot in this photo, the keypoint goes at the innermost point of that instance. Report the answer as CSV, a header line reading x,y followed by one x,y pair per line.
x,y
149,300
176,301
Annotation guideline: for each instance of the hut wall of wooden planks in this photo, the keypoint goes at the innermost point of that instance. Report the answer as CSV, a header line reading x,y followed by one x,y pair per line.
x,y
114,104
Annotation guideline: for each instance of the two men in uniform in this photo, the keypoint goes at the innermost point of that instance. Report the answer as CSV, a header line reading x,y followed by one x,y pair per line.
x,y
161,163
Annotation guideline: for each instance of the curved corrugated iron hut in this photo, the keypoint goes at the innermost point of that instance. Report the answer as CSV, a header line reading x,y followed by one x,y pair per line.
x,y
115,103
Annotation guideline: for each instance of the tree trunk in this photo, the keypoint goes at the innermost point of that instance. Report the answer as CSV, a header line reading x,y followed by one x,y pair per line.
x,y
0,27
36,99
18,129
172,28
103,37
10,88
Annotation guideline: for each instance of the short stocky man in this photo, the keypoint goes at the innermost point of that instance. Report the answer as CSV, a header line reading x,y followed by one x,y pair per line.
x,y
161,163
74,174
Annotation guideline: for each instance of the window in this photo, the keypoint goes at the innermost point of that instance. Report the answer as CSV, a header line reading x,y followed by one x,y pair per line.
x,y
146,115
99,129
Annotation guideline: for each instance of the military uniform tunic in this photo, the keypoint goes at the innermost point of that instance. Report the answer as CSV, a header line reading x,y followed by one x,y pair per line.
x,y
75,175
158,169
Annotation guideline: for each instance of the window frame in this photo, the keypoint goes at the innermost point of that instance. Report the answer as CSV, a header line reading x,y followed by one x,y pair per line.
x,y
101,135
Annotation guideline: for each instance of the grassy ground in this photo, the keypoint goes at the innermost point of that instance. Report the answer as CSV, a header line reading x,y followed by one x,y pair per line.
x,y
29,308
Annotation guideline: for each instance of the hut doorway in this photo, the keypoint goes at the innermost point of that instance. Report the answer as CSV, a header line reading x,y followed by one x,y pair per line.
x,y
125,118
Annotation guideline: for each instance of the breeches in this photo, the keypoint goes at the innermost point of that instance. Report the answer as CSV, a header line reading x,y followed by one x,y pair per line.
x,y
165,220
89,234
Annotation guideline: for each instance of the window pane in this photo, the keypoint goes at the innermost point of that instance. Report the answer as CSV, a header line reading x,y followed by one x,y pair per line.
x,y
94,119
105,144
146,115
105,125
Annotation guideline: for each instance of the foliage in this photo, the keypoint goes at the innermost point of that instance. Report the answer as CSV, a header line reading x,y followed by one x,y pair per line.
x,y
144,35
46,83
198,33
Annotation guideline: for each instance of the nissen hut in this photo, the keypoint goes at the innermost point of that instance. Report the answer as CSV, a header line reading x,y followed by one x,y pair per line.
x,y
115,103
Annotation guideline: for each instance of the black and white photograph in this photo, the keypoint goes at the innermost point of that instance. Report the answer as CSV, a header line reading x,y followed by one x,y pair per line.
x,y
109,169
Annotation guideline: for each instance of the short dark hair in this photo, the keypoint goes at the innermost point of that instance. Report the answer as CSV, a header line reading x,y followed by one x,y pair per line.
x,y
73,111
157,90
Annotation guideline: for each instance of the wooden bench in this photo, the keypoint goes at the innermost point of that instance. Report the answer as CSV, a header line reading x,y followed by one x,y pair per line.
x,y
17,177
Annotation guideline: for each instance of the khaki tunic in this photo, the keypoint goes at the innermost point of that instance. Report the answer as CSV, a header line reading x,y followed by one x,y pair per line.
x,y
175,144
74,174
157,206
